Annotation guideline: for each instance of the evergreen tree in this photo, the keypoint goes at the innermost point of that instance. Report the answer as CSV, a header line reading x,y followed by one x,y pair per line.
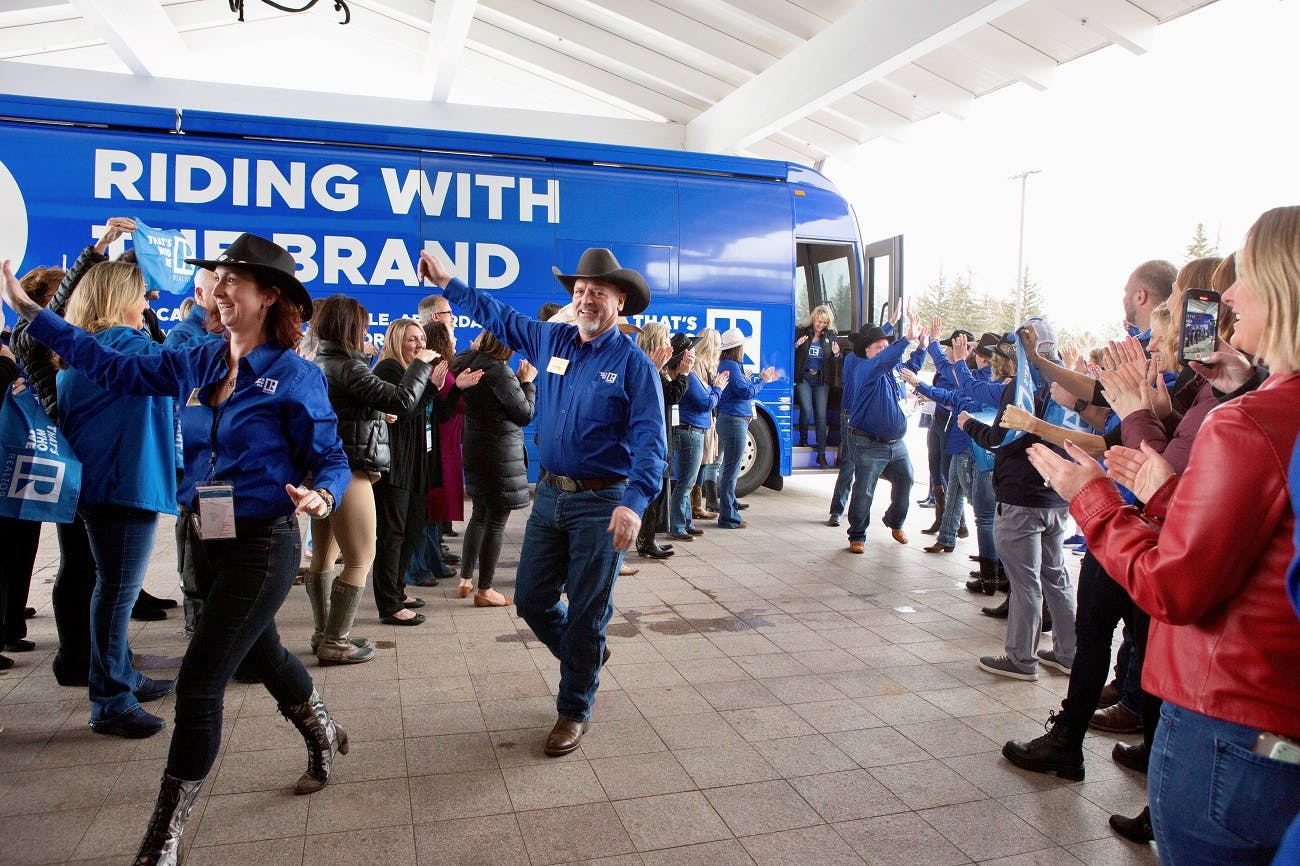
x,y
1200,247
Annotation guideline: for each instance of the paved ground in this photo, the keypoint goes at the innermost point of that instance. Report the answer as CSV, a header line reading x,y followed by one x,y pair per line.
x,y
771,699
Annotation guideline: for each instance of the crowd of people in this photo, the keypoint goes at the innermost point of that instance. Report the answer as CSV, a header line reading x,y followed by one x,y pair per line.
x,y
264,405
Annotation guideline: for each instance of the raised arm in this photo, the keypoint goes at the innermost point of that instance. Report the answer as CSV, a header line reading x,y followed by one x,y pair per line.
x,y
519,332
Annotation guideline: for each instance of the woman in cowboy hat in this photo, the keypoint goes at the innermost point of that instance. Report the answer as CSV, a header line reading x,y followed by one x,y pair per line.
x,y
735,409
256,421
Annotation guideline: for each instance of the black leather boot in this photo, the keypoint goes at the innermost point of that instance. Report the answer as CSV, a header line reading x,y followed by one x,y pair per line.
x,y
986,579
711,495
654,550
999,612
1134,829
940,499
1136,757
162,841
1059,751
324,737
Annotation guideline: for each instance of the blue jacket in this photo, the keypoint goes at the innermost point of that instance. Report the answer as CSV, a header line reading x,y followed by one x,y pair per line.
x,y
601,415
955,402
277,427
878,395
697,404
191,331
979,385
124,443
738,397
849,390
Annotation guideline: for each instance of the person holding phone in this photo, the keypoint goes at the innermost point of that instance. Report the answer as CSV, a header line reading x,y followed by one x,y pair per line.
x,y
1208,560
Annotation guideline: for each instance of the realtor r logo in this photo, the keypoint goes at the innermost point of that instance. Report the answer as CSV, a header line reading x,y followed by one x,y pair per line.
x,y
36,479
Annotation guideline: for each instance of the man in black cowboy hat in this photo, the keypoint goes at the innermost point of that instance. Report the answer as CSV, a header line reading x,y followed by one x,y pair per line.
x,y
601,437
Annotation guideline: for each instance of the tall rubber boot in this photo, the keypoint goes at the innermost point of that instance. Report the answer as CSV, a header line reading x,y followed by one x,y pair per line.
x,y
939,499
162,841
323,736
336,647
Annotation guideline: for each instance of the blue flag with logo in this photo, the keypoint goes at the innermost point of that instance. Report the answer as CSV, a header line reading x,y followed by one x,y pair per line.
x,y
40,477
161,255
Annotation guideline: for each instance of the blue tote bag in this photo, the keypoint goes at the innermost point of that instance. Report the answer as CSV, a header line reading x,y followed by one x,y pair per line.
x,y
40,477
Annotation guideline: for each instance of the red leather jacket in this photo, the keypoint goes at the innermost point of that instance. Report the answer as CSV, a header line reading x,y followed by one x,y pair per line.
x,y
1209,564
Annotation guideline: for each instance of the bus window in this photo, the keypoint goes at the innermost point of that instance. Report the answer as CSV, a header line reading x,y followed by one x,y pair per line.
x,y
801,306
837,291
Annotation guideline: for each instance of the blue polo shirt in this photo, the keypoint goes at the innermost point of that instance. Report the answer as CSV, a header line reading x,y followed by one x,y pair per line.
x,y
275,429
738,397
599,412
877,394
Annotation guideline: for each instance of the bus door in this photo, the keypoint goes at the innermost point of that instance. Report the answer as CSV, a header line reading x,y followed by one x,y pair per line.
x,y
827,273
883,274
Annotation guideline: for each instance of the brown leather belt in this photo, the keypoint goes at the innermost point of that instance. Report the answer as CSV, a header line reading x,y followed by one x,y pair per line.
x,y
573,485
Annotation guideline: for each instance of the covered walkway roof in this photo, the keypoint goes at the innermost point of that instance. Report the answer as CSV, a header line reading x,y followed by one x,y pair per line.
x,y
796,80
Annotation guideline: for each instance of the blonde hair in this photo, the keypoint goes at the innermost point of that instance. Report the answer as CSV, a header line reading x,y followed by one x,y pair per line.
x,y
1269,263
708,351
1163,317
820,310
106,292
653,336
395,336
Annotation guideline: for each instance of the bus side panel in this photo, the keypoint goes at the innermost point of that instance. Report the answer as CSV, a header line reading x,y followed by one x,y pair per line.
x,y
737,270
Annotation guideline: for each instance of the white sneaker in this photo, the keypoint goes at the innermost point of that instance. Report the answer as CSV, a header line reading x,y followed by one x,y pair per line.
x,y
1048,657
1003,667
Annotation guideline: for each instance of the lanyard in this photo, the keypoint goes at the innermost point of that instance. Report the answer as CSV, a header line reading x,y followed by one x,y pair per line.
x,y
217,412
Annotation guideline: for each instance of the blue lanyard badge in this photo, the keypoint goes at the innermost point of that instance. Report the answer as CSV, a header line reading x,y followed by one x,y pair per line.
x,y
216,510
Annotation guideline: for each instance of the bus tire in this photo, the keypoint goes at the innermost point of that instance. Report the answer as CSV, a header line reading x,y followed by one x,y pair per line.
x,y
760,455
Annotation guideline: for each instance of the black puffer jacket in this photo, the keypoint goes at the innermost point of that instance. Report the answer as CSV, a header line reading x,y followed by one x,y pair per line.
x,y
496,410
360,399
35,359
417,455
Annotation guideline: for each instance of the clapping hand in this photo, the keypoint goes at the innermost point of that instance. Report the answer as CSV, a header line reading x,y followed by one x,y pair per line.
x,y
1143,471
526,372
438,374
1015,418
720,381
660,355
1126,386
1064,475
467,379
769,375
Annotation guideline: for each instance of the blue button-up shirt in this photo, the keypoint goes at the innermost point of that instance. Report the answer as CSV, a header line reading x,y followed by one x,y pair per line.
x,y
275,429
696,405
878,394
191,331
601,416
738,397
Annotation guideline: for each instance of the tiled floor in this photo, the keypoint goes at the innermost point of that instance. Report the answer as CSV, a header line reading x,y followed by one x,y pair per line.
x,y
771,699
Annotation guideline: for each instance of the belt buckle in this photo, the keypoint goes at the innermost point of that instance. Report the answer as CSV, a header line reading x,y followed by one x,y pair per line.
x,y
568,485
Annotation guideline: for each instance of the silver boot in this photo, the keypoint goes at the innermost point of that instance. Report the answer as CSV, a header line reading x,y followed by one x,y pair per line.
x,y
162,841
324,737
336,646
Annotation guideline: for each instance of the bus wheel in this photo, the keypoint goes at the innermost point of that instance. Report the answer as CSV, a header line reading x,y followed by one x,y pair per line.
x,y
760,451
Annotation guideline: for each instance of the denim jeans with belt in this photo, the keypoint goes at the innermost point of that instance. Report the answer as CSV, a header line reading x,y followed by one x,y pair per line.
x,y
1213,800
121,540
688,450
568,549
872,460
244,581
843,481
732,435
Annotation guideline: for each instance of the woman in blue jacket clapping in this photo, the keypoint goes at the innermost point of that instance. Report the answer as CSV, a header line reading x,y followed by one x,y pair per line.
x,y
735,408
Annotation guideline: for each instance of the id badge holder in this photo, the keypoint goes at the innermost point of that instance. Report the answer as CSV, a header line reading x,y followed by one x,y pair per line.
x,y
216,510
428,437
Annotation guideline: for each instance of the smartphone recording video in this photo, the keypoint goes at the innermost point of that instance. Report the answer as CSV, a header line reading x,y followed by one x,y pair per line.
x,y
1200,325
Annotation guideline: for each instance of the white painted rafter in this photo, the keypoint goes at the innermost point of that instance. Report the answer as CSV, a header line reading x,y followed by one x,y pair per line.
x,y
836,62
1118,21
138,31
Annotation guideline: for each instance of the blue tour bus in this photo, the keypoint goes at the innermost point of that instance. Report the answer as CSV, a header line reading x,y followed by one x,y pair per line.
x,y
723,241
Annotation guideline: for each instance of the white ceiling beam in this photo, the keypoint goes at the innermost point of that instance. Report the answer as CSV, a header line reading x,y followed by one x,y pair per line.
x,y
447,33
934,90
874,39
138,31
996,49
62,83
600,48
1118,21
877,118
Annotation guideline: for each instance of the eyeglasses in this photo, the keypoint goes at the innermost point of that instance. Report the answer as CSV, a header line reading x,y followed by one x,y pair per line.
x,y
440,314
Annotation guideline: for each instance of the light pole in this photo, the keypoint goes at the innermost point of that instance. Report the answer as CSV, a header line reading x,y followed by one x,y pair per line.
x,y
1023,177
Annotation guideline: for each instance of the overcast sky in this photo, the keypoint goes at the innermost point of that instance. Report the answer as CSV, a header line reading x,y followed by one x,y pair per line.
x,y
1134,152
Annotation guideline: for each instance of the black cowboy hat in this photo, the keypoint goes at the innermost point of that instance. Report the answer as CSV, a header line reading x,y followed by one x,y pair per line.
x,y
865,337
681,343
598,263
988,340
953,336
270,262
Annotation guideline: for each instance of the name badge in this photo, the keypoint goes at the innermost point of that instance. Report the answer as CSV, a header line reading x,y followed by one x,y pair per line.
x,y
676,415
428,436
216,510
557,365
194,398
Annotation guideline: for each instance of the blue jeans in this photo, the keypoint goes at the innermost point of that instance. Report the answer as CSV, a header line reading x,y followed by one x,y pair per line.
x,y
844,481
1213,800
244,581
812,407
961,484
986,506
688,449
568,549
709,472
732,430
121,540
426,561
873,460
